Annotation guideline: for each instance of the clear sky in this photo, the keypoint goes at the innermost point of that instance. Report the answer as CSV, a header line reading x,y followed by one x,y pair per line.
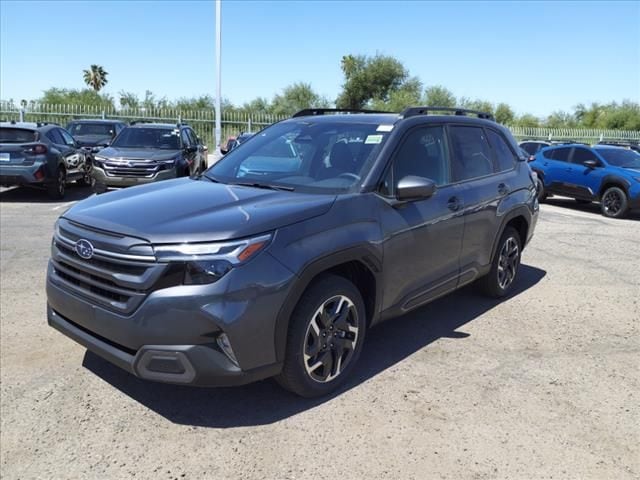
x,y
536,56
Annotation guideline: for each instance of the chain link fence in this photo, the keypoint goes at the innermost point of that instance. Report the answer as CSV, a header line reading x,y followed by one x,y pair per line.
x,y
203,121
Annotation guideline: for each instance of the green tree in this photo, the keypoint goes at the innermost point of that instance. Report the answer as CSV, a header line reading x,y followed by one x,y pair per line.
x,y
95,77
128,99
479,105
407,95
504,114
527,120
66,96
439,96
296,97
560,119
369,78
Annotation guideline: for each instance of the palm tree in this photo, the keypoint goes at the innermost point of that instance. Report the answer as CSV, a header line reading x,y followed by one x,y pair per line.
x,y
95,77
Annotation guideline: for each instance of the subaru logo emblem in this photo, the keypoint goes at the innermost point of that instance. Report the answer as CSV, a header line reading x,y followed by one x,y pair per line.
x,y
84,249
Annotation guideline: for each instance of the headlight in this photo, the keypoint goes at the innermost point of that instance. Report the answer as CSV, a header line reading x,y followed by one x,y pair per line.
x,y
208,262
168,161
98,160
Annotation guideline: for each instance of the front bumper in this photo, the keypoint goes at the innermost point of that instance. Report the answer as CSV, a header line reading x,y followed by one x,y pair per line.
x,y
20,174
171,336
115,181
634,197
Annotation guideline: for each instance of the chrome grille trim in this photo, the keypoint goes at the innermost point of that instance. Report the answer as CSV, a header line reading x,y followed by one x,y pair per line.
x,y
99,253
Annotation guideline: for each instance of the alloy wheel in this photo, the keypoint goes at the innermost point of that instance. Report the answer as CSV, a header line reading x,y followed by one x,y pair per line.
x,y
331,339
508,262
61,183
612,202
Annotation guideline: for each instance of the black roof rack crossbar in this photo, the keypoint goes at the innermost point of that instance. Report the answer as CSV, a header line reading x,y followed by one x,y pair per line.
x,y
321,111
413,111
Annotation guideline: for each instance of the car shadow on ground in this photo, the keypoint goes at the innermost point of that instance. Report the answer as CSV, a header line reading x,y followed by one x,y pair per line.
x,y
39,195
265,402
594,208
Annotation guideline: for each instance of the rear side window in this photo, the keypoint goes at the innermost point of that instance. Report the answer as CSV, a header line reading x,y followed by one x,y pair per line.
x,y
559,154
17,135
505,158
581,155
471,154
55,136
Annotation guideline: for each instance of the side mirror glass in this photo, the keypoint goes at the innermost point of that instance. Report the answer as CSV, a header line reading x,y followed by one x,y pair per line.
x,y
415,188
591,163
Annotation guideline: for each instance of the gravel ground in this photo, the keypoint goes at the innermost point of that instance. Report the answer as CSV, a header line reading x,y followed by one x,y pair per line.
x,y
545,384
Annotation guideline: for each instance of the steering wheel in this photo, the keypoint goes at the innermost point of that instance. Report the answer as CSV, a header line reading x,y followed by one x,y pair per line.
x,y
350,175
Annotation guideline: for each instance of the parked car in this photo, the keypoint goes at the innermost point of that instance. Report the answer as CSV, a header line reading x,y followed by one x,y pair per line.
x,y
233,142
95,134
223,279
41,155
533,146
148,152
629,144
606,174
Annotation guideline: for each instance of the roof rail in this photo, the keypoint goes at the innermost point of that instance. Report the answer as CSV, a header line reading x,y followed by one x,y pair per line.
x,y
321,111
413,111
43,124
136,122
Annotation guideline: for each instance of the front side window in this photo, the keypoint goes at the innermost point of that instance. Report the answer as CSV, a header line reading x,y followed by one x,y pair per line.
x,y
470,153
581,155
68,139
186,141
423,153
305,155
504,156
619,157
153,137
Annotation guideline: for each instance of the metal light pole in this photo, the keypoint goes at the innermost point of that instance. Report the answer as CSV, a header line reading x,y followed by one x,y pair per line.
x,y
219,86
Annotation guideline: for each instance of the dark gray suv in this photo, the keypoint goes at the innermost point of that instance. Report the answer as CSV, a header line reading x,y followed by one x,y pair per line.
x,y
277,260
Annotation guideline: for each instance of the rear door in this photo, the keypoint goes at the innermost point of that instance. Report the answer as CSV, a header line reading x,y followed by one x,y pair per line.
x,y
581,181
74,156
555,164
422,238
484,165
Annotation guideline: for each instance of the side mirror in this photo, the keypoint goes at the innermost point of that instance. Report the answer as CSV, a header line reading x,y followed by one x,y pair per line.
x,y
591,164
223,151
415,188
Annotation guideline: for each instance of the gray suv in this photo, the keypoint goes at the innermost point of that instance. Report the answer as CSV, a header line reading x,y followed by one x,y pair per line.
x,y
277,260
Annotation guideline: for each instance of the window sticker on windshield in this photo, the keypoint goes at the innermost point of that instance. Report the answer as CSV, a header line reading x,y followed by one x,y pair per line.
x,y
373,139
384,128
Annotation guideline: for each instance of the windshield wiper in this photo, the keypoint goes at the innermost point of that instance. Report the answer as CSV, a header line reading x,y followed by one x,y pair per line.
x,y
265,186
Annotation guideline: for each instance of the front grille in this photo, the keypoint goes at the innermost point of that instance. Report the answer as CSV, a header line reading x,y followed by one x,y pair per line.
x,y
131,168
111,278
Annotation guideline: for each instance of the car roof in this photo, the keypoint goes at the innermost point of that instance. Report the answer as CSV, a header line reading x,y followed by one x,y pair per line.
x,y
609,147
94,120
373,118
534,141
29,125
154,125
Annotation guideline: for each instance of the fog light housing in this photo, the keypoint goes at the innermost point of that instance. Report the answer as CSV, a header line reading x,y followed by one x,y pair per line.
x,y
225,346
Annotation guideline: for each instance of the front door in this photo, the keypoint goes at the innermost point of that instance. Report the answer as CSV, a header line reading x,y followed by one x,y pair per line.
x,y
422,238
583,182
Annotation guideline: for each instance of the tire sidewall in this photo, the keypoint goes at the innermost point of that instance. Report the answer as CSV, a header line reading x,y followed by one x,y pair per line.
x,y
493,274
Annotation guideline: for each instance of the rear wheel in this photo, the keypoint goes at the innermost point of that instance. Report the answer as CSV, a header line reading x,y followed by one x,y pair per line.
x,y
87,180
614,203
56,189
542,196
326,333
504,268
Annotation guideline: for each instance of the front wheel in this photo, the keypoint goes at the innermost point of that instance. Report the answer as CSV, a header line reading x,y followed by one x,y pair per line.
x,y
614,203
504,268
326,334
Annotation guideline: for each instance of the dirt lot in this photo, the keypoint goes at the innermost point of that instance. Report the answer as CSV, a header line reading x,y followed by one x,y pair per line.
x,y
543,385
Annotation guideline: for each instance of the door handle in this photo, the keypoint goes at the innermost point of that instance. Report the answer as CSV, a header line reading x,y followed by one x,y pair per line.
x,y
503,189
454,204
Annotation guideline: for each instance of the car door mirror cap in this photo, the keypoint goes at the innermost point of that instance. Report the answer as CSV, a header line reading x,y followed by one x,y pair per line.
x,y
413,187
591,163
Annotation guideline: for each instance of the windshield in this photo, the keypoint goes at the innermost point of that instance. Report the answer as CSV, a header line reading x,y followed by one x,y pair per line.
x,y
103,129
619,157
17,135
307,156
136,137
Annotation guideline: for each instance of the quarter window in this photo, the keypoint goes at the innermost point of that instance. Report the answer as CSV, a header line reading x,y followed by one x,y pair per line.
x,y
471,154
505,159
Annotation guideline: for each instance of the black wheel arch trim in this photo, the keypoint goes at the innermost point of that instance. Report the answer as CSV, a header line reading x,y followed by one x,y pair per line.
x,y
614,180
364,254
521,211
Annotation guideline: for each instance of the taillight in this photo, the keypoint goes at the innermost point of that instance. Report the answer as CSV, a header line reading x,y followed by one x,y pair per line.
x,y
38,149
39,174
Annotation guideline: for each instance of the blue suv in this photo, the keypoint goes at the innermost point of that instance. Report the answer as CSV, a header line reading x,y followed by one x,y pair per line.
x,y
606,174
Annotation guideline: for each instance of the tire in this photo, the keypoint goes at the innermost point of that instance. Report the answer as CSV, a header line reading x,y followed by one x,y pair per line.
x,y
316,364
614,203
99,187
505,265
542,195
56,189
87,180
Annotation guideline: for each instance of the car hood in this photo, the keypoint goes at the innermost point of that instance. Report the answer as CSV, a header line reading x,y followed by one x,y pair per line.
x,y
192,210
138,153
92,140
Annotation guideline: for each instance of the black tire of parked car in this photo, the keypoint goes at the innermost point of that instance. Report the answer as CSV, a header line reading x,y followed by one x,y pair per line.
x,y
614,203
56,188
295,375
506,261
87,180
542,196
